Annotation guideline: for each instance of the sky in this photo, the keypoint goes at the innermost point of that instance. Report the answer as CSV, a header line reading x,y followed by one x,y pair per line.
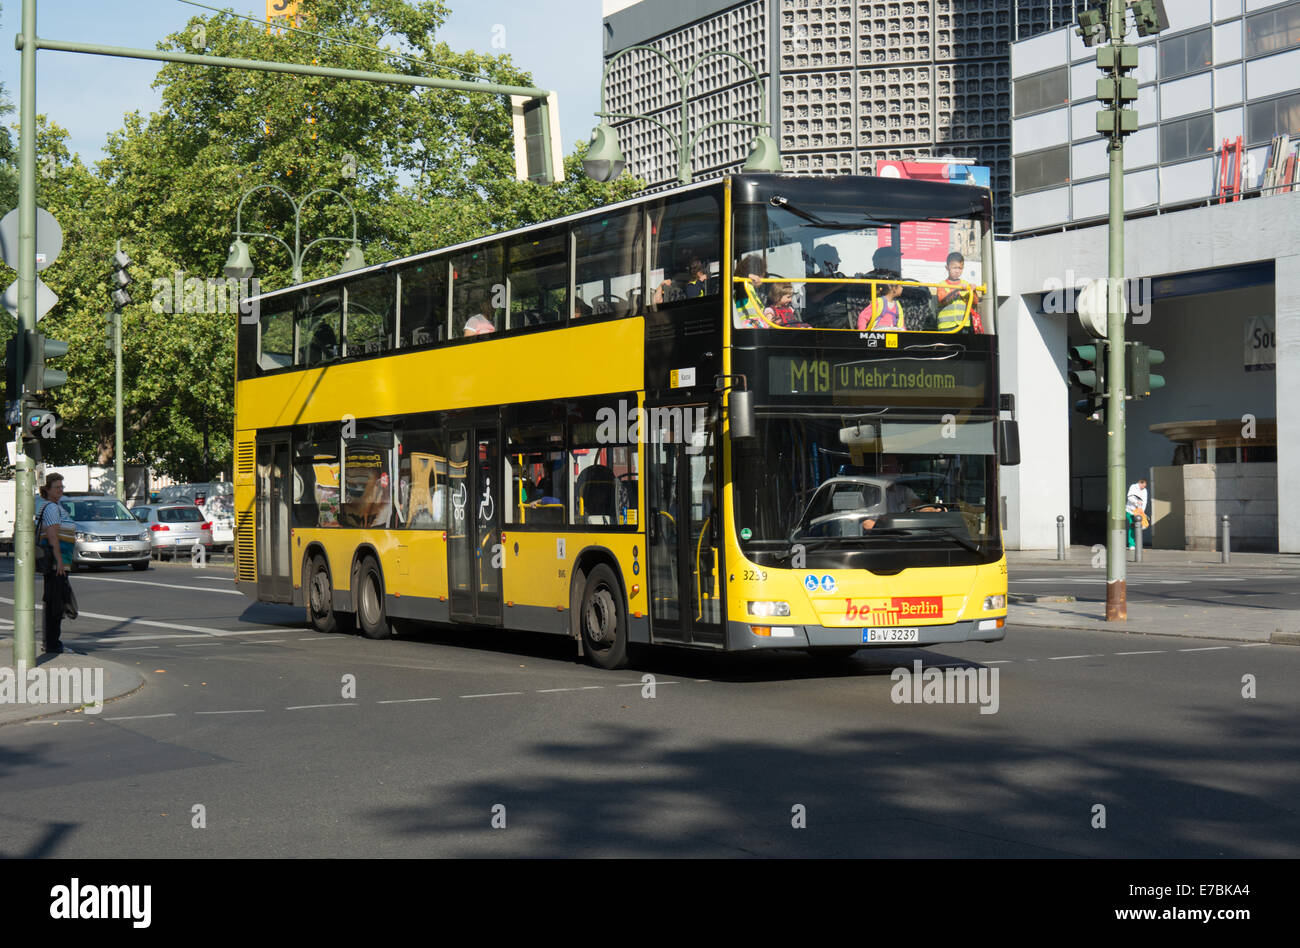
x,y
557,41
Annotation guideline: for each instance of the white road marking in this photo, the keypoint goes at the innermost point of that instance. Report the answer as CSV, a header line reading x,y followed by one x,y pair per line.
x,y
141,717
1159,651
1061,658
1001,661
1254,644
406,700
201,630
545,691
245,711
145,582
133,648
495,694
60,721
337,704
1207,648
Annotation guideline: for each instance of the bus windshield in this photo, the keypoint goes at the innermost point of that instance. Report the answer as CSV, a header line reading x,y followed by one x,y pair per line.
x,y
879,481
819,267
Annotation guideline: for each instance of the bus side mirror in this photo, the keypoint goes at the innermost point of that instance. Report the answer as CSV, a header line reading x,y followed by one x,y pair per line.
x,y
1008,442
740,414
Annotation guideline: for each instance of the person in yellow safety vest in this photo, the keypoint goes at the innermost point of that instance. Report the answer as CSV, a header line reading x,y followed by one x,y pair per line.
x,y
748,296
956,302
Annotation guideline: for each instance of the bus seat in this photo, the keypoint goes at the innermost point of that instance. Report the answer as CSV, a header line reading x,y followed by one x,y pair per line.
x,y
596,491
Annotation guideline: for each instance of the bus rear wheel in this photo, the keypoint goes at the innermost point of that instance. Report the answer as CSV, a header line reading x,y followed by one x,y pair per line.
x,y
371,614
320,600
602,621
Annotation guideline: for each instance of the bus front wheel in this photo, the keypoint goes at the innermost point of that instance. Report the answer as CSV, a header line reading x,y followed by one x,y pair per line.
x,y
371,614
320,600
603,622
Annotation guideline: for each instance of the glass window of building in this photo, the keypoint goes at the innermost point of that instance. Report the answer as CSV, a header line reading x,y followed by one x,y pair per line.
x,y
610,260
1265,120
1045,90
1273,30
1187,138
424,303
371,313
1042,169
1186,54
538,270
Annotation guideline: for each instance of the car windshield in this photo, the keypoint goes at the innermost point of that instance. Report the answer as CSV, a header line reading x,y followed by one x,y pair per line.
x,y
97,509
830,480
180,515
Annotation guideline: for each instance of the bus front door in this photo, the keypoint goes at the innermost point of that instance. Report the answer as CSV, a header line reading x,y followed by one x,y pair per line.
x,y
474,554
274,580
685,567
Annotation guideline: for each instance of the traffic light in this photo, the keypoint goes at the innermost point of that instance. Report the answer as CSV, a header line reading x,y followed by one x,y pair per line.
x,y
1150,17
1140,381
13,349
40,349
1092,26
1088,372
120,281
1117,89
40,424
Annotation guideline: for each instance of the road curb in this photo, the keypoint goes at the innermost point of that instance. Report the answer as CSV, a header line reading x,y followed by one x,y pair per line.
x,y
1284,638
120,681
1275,638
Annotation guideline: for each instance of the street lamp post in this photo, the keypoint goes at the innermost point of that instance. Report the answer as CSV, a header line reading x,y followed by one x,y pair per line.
x,y
239,265
605,160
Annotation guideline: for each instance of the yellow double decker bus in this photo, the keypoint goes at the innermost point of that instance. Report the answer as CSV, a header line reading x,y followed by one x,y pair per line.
x,y
677,419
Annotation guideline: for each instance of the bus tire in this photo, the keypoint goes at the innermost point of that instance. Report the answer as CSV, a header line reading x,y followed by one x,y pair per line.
x,y
371,614
603,620
319,594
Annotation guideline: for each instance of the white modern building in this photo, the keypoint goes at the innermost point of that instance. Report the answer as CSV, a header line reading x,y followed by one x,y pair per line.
x,y
1218,280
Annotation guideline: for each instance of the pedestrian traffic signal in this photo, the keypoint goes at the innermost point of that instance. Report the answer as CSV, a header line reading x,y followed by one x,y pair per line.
x,y
120,280
39,376
1140,381
1150,17
1088,372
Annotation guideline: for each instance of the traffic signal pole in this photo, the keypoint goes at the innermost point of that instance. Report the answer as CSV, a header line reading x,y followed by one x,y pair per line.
x,y
1116,483
24,478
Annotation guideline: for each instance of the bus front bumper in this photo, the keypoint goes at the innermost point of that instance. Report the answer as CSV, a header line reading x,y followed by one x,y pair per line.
x,y
741,635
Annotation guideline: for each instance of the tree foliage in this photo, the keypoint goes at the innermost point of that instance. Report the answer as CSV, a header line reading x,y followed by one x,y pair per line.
x,y
422,168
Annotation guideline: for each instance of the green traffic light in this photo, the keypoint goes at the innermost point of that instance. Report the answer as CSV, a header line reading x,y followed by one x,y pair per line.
x,y
1155,357
1155,381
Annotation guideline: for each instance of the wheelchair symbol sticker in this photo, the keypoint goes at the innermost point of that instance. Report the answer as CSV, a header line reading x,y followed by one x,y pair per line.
x,y
810,583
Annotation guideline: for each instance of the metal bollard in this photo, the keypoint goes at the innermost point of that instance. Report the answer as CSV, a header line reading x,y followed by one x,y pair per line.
x,y
1225,542
1137,539
1060,537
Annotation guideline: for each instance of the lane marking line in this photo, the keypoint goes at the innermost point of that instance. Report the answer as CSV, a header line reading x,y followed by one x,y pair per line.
x,y
145,582
244,711
141,717
546,691
1061,658
495,694
1207,648
337,704
406,700
1159,651
201,630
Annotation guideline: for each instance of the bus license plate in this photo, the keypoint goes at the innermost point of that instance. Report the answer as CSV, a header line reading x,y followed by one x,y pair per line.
x,y
891,635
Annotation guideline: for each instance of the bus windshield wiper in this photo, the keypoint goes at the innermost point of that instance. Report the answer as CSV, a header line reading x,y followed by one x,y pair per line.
x,y
778,201
939,531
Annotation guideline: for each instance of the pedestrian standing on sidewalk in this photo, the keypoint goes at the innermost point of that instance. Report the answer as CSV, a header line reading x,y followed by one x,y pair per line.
x,y
51,516
1135,509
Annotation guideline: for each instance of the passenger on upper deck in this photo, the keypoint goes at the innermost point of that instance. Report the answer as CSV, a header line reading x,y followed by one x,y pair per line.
x,y
954,303
698,284
781,312
747,315
480,323
884,312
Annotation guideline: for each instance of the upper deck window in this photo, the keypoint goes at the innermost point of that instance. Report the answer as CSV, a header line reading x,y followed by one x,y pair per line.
x,y
610,263
320,328
478,292
371,314
538,278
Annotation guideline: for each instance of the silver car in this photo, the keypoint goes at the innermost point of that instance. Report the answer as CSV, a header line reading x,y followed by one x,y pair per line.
x,y
175,528
104,532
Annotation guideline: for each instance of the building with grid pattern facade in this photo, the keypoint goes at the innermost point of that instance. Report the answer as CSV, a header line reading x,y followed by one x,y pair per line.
x,y
848,83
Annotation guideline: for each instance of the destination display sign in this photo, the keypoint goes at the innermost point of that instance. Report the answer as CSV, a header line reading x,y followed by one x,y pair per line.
x,y
879,381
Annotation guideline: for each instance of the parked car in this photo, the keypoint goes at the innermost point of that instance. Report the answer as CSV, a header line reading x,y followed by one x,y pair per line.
x,y
104,532
217,501
175,527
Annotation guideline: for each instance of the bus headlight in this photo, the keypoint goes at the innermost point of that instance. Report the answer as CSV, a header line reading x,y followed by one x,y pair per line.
x,y
995,602
768,608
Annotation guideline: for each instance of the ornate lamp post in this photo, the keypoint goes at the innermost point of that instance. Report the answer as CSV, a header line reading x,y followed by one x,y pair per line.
x,y
239,265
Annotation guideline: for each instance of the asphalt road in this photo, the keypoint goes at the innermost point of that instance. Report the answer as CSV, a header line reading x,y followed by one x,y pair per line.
x,y
1264,588
245,715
